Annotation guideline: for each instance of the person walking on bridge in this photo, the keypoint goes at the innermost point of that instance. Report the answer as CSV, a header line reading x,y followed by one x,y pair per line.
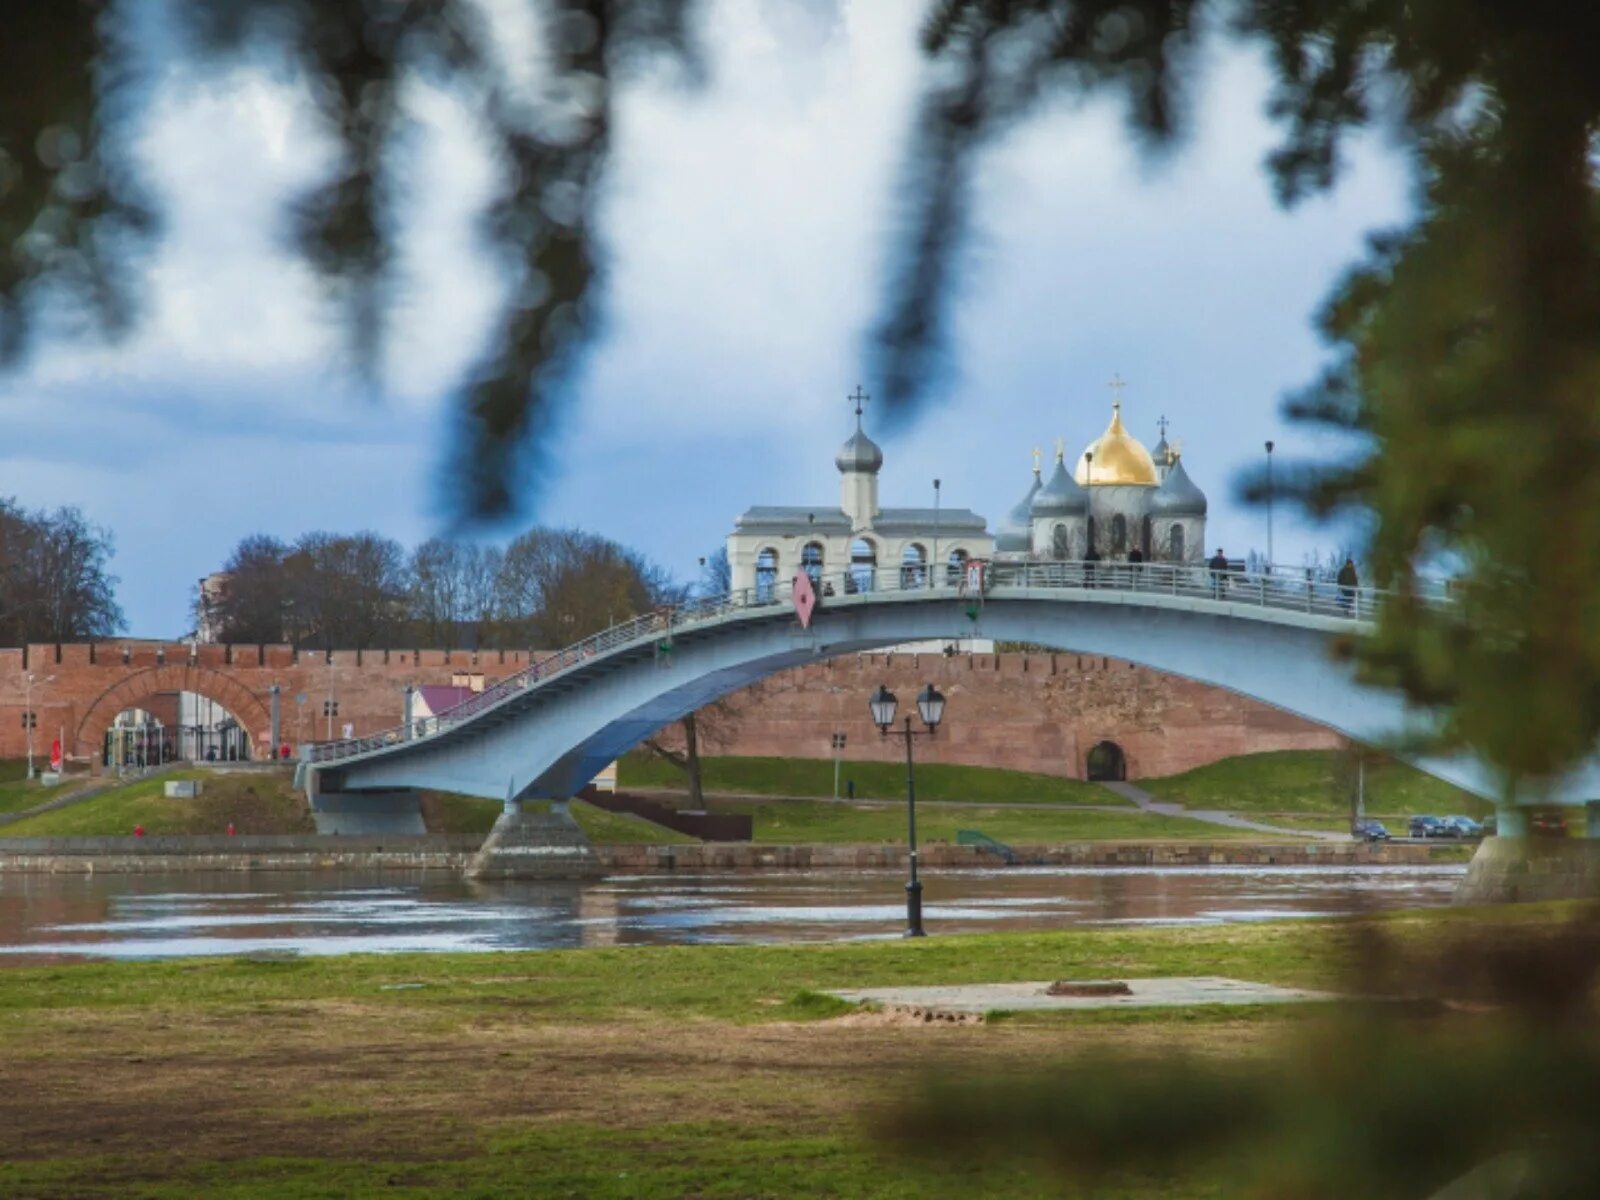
x,y
1219,572
1349,581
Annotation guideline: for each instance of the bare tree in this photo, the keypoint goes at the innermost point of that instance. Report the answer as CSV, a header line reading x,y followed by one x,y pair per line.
x,y
54,582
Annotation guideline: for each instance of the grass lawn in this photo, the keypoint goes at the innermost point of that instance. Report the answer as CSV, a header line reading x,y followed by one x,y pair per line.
x,y
1311,781
824,821
443,812
618,1072
873,780
255,802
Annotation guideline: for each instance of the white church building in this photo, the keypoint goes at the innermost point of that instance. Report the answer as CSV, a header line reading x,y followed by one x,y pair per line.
x,y
1120,498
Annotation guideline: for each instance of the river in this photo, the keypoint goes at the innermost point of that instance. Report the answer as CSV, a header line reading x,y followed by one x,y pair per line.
x,y
57,917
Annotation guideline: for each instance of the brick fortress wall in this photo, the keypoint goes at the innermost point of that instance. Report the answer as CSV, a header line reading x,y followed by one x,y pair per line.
x,y
1032,712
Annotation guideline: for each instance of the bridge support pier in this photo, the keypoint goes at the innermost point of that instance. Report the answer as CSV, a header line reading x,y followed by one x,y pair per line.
x,y
535,842
1515,866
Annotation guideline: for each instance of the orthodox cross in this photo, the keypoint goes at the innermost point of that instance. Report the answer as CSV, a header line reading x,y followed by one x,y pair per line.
x,y
1061,449
1162,424
1036,454
1116,391
858,399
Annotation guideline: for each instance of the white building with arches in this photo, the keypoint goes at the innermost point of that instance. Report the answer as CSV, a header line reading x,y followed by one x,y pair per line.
x,y
857,542
1120,503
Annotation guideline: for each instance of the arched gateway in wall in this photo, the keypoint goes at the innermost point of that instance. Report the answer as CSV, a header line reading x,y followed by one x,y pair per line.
x,y
136,691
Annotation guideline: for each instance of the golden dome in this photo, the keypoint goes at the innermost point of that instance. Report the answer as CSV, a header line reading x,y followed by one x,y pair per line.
x,y
1119,458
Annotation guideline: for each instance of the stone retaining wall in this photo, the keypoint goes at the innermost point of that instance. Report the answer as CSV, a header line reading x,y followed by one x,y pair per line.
x,y
455,853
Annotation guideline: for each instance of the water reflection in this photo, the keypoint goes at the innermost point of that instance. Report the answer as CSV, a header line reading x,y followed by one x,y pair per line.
x,y
157,916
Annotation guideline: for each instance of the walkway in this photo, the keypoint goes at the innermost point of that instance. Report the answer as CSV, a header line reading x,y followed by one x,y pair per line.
x,y
1150,804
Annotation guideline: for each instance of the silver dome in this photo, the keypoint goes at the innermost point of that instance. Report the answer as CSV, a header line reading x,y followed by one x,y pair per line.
x,y
1015,534
860,453
1063,496
1178,496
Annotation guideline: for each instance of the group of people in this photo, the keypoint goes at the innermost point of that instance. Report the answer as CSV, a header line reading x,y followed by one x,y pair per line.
x,y
1348,579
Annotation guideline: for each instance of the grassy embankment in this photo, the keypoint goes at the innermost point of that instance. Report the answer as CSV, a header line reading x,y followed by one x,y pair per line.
x,y
444,812
254,802
17,791
1312,783
626,1072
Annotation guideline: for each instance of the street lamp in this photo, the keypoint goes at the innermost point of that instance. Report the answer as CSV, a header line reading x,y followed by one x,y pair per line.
x,y
933,566
29,718
930,705
1270,559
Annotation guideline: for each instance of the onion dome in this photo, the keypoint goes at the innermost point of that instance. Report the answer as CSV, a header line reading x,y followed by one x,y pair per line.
x,y
1014,534
1162,456
1178,496
1119,458
859,454
1061,497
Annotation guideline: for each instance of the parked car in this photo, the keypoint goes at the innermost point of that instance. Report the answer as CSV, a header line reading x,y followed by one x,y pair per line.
x,y
1428,827
1369,831
1464,827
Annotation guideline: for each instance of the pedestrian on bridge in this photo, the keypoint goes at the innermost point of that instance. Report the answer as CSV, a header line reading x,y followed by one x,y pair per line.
x,y
1090,558
1219,571
1349,581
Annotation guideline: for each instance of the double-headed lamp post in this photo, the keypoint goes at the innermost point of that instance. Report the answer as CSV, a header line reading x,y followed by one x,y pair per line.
x,y
29,719
930,705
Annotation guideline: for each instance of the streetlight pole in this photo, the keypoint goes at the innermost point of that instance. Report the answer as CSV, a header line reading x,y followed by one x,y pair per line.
x,y
934,565
29,717
1270,559
930,705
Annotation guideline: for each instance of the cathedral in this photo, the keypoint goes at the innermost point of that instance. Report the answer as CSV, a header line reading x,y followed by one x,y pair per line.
x,y
1119,498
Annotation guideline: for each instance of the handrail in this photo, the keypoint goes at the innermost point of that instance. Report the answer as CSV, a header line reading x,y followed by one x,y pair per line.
x,y
1297,590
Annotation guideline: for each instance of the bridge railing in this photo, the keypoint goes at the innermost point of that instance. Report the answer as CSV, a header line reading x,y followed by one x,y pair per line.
x,y
1283,588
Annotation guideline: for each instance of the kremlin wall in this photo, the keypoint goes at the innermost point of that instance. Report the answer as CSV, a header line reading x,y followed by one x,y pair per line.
x,y
1036,711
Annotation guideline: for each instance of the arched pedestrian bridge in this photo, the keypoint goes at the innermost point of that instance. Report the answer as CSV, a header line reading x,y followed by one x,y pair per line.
x,y
548,730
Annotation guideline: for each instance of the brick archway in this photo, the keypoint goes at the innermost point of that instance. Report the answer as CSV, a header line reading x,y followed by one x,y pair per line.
x,y
135,689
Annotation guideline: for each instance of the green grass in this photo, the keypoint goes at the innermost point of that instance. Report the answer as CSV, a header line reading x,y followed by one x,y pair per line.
x,y
446,812
613,1072
873,780
17,795
785,821
625,829
255,802
1312,782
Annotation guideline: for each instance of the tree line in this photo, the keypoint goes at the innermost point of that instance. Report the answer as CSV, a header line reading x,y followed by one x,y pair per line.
x,y
55,585
545,588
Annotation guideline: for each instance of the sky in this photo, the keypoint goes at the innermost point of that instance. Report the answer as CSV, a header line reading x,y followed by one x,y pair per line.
x,y
748,224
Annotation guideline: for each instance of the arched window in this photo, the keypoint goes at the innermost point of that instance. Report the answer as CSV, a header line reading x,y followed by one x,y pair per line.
x,y
1060,543
1119,534
766,573
1175,543
811,561
957,569
863,566
913,567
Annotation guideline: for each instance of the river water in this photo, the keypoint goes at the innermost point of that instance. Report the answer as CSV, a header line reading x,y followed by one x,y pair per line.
x,y
160,916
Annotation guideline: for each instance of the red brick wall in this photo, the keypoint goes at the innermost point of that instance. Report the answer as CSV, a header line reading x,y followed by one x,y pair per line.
x,y
1034,712
1029,712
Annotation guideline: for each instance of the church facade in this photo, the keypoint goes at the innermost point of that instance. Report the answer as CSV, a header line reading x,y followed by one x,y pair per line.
x,y
1120,502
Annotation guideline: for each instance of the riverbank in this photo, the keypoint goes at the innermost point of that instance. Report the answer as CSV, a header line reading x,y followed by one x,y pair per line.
x,y
631,1072
452,852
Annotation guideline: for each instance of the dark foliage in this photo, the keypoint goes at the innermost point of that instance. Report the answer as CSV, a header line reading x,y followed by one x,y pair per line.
x,y
54,580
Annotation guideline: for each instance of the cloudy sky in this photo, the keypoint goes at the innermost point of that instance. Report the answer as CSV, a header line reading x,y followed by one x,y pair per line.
x,y
748,224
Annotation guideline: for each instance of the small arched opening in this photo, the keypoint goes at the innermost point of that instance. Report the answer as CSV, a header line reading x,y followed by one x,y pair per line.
x,y
1060,543
913,566
812,561
1119,534
863,566
1106,763
956,571
766,573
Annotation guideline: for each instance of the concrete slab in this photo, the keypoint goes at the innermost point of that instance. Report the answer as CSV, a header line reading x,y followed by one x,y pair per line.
x,y
1035,997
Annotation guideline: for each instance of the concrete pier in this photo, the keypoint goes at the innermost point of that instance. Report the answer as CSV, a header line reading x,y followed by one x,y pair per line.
x,y
530,842
1509,869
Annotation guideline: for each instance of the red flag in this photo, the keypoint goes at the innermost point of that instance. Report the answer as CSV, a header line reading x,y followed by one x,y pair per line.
x,y
55,755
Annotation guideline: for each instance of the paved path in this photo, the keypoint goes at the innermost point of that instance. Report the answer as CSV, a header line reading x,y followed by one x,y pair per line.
x,y
1148,803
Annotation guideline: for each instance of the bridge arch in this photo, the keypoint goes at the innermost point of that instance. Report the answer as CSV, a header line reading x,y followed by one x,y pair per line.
x,y
137,689
540,743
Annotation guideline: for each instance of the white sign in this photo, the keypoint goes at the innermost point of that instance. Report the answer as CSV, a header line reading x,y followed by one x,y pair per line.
x,y
349,730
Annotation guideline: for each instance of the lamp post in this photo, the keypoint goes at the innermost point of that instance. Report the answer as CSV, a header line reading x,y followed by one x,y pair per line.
x,y
933,566
930,705
1270,559
28,716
